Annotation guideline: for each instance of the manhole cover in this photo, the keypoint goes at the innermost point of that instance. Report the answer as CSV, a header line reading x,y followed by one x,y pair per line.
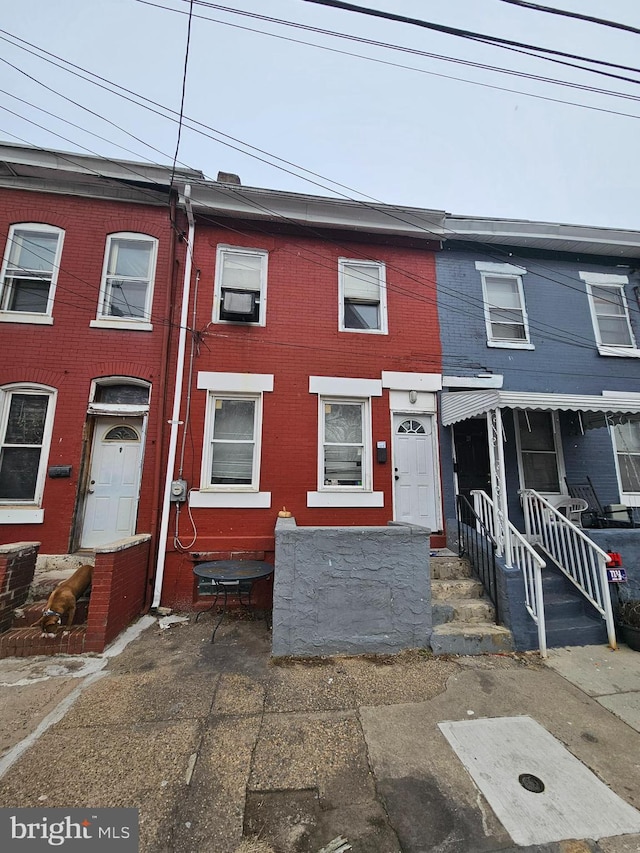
x,y
531,783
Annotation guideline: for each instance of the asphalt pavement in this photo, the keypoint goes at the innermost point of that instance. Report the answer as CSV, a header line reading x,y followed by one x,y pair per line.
x,y
224,750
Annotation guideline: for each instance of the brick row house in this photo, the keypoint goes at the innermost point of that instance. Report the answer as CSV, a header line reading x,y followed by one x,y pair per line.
x,y
87,290
189,357
314,373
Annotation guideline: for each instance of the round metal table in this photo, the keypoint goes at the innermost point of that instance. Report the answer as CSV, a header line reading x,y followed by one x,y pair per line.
x,y
231,576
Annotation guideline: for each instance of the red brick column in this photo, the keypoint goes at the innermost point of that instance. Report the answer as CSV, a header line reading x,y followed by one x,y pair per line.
x,y
117,589
17,567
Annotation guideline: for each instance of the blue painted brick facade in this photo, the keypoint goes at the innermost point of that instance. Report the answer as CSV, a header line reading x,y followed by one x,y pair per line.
x,y
565,359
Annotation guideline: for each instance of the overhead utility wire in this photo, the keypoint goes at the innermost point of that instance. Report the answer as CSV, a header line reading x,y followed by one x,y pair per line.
x,y
437,74
184,89
273,156
419,297
390,46
565,13
385,212
496,41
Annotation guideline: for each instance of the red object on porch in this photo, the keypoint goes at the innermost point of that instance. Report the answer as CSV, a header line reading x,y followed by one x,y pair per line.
x,y
615,560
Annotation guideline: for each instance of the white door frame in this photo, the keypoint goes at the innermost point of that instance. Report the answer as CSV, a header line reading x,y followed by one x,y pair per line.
x,y
435,449
115,418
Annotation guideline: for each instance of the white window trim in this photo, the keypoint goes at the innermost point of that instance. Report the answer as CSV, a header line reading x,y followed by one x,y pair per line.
x,y
237,500
205,471
628,498
241,383
107,321
345,390
217,286
26,508
45,318
614,281
379,265
504,271
557,442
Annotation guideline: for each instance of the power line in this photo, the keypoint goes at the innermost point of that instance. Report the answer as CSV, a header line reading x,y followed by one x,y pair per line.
x,y
275,213
390,46
184,89
536,7
462,33
482,66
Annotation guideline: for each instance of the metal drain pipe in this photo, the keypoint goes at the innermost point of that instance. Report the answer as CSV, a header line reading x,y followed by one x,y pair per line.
x,y
177,400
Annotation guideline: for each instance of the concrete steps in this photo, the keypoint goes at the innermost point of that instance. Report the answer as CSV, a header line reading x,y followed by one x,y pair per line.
x,y
463,619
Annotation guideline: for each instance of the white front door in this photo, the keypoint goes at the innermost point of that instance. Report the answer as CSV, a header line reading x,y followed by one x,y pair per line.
x,y
111,503
416,483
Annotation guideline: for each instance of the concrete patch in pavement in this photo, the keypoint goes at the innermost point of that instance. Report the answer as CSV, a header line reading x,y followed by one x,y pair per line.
x,y
538,790
624,705
598,670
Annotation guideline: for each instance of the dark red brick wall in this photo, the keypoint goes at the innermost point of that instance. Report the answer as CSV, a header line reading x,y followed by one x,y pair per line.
x,y
117,593
17,567
69,354
300,339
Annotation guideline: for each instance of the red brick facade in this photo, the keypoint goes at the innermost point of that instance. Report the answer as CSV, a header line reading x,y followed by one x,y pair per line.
x,y
300,339
69,354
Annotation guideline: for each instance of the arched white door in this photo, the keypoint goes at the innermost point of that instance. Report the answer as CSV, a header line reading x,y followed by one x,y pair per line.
x,y
415,484
111,503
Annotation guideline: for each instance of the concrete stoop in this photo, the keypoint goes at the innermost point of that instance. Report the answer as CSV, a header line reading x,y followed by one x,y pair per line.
x,y
463,619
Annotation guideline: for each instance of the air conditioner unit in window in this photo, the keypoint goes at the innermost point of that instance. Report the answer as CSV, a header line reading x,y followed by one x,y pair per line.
x,y
240,305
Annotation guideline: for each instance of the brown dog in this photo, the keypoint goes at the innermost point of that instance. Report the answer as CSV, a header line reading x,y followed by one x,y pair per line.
x,y
63,600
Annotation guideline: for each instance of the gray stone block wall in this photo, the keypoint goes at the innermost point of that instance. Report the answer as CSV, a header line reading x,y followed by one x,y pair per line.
x,y
350,590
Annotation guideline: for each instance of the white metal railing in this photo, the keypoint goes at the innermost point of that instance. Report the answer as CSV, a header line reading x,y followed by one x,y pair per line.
x,y
525,558
580,559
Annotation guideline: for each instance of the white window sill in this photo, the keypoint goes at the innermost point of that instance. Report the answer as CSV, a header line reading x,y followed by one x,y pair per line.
x,y
21,515
345,499
630,499
620,352
365,331
249,500
127,325
259,324
25,317
510,345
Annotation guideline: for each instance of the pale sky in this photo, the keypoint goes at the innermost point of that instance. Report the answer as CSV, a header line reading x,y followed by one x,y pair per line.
x,y
398,135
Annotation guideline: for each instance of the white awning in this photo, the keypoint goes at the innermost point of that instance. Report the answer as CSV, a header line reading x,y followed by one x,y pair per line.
x,y
462,405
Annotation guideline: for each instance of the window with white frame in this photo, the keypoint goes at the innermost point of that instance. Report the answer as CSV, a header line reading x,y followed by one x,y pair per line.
x,y
362,296
232,455
610,313
240,290
26,418
539,451
504,306
126,291
345,448
30,271
627,445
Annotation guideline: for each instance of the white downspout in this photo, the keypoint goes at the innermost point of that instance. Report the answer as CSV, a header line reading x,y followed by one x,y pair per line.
x,y
177,401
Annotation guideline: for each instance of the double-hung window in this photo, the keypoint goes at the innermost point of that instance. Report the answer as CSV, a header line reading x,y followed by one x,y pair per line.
x,y
233,460
345,453
29,273
505,314
610,314
126,291
26,418
232,445
240,290
627,445
539,451
362,296
345,458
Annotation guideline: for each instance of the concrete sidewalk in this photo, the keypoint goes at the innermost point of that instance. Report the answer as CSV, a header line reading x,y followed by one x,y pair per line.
x,y
217,745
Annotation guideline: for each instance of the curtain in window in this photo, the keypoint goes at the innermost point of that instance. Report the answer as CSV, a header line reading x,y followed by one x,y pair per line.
x,y
343,444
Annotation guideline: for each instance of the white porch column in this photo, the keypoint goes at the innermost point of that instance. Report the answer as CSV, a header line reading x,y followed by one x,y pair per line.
x,y
499,485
